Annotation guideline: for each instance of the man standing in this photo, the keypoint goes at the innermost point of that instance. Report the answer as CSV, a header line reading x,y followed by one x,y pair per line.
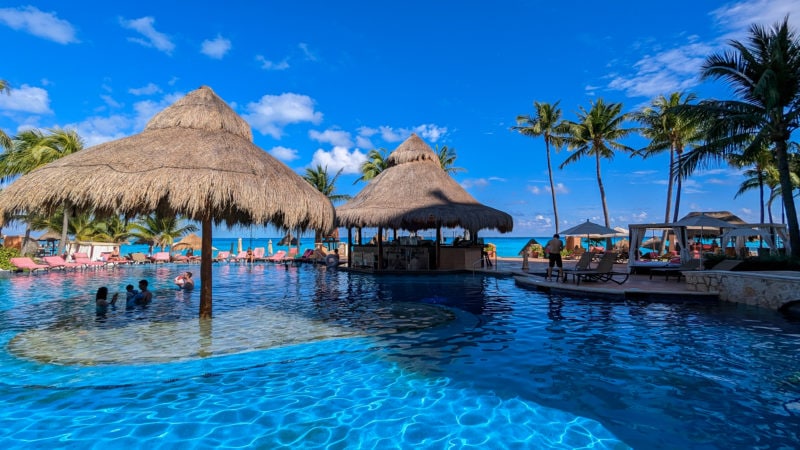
x,y
553,249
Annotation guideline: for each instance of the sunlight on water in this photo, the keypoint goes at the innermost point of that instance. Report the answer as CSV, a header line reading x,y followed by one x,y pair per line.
x,y
235,331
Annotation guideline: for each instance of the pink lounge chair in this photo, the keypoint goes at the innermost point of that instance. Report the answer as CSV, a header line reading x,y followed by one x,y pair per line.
x,y
241,256
223,256
57,262
24,263
258,254
161,257
277,257
306,256
83,259
291,256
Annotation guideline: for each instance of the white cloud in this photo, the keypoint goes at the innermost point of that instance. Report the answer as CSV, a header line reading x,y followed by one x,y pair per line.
x,y
271,65
96,130
146,109
109,100
738,17
429,132
155,39
678,68
38,23
475,182
284,154
215,48
364,142
149,89
270,114
535,190
308,54
27,99
336,138
339,158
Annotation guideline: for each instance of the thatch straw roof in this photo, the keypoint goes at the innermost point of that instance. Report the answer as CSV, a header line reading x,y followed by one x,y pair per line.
x,y
194,158
415,193
191,241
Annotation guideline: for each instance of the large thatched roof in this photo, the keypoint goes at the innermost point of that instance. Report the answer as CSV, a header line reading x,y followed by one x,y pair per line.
x,y
195,158
414,193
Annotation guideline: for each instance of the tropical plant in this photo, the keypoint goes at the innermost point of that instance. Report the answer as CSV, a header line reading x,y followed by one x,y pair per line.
x,y
546,123
374,165
764,72
33,148
160,231
322,181
447,159
597,133
669,130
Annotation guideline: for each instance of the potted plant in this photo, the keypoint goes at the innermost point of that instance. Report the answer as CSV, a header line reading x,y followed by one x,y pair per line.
x,y
536,250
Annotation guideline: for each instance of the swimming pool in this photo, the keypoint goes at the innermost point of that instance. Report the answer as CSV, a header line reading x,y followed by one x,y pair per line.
x,y
305,357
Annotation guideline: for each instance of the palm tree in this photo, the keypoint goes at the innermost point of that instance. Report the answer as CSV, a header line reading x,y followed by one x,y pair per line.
x,y
374,165
447,159
319,178
597,133
668,130
548,124
33,148
159,231
764,72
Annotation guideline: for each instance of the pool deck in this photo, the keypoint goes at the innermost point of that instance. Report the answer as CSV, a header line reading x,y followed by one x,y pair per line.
x,y
638,286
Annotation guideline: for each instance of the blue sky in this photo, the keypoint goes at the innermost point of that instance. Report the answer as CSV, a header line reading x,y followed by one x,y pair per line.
x,y
325,82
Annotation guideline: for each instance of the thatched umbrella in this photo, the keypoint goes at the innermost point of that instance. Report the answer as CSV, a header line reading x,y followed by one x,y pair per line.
x,y
415,193
195,158
191,241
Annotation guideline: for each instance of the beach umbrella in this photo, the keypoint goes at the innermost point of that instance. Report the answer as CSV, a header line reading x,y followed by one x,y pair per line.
x,y
191,241
269,247
588,229
196,158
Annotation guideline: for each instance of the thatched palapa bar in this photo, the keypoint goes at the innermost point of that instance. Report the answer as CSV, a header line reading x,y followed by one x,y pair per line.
x,y
414,193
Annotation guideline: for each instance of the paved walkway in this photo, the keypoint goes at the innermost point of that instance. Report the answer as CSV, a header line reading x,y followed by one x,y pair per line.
x,y
637,286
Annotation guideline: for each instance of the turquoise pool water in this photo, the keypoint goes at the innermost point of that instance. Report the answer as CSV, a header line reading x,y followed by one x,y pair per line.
x,y
301,357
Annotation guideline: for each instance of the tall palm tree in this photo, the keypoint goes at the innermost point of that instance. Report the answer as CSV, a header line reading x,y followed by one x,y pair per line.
x,y
669,130
447,159
159,231
321,180
374,165
597,133
764,72
547,123
33,148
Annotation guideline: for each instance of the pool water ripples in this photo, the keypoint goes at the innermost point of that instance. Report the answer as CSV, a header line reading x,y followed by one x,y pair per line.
x,y
306,357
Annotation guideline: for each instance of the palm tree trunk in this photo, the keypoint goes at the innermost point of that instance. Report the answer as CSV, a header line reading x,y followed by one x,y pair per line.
x,y
670,187
784,174
552,184
678,185
603,197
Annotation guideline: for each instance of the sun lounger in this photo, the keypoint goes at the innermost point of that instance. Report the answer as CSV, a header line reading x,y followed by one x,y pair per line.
x,y
291,256
580,266
139,258
306,256
83,259
25,263
161,257
676,271
603,272
277,257
222,256
259,254
57,262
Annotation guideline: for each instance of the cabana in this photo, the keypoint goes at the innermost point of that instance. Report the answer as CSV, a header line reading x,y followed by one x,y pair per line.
x,y
722,224
414,193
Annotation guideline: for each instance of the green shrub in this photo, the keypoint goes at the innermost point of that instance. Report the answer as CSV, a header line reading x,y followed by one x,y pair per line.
x,y
6,253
